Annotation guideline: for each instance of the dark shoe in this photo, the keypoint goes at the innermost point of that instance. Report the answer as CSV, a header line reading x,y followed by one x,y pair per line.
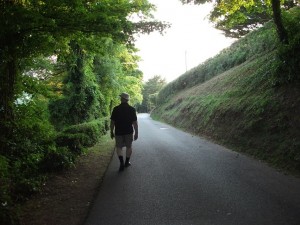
x,y
127,164
121,167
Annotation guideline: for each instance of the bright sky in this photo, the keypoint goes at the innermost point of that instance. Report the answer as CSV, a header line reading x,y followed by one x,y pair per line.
x,y
190,40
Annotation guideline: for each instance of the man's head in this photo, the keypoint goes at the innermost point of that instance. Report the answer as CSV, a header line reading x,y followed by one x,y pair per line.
x,y
124,97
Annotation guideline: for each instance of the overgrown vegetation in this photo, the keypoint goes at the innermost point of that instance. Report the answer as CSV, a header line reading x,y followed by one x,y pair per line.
x,y
247,97
255,44
150,92
63,65
47,206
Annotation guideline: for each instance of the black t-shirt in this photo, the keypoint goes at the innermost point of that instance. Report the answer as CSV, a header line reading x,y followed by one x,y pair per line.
x,y
123,115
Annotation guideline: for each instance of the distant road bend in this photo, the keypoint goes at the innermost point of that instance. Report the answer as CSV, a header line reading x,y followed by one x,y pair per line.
x,y
180,179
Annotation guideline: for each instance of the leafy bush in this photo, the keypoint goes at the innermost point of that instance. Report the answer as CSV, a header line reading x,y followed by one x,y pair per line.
x,y
31,134
6,205
77,137
26,176
74,142
57,159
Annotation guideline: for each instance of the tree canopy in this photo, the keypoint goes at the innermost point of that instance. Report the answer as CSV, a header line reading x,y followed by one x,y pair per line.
x,y
238,17
30,28
62,65
150,91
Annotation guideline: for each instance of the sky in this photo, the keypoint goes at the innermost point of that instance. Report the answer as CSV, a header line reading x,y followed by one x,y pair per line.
x,y
190,40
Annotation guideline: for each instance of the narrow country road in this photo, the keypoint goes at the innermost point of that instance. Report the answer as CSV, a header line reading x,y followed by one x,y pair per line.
x,y
177,178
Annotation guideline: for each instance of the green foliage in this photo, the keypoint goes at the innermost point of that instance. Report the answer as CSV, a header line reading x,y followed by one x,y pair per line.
x,y
57,159
4,180
78,137
7,211
150,91
80,102
32,130
71,58
31,29
247,97
253,45
116,71
285,67
239,17
33,135
41,27
242,109
107,67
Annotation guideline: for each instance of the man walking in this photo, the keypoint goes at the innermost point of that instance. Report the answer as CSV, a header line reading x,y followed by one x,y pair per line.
x,y
123,124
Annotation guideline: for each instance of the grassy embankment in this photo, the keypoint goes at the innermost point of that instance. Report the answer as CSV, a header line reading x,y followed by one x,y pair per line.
x,y
239,98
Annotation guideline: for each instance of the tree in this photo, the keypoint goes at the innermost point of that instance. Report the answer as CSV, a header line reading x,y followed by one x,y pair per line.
x,y
81,95
32,28
93,42
116,70
281,31
238,17
150,90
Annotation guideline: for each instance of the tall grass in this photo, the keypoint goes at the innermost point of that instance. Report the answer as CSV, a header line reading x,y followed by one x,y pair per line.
x,y
254,44
247,97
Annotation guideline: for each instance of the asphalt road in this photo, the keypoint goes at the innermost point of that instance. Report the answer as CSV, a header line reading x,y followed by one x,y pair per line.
x,y
177,178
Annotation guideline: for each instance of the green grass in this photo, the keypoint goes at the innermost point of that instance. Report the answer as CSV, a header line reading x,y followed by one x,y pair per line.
x,y
104,146
247,97
242,109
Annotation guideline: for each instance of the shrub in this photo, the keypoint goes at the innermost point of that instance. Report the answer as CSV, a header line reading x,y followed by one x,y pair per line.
x,y
57,159
7,208
74,142
26,175
77,137
5,196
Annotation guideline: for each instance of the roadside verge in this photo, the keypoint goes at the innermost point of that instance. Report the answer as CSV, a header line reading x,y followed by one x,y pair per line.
x,y
66,197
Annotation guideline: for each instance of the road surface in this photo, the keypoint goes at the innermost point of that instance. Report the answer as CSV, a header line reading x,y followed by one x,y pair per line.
x,y
179,179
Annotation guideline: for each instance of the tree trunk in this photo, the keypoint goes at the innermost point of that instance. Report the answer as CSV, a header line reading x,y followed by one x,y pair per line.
x,y
8,77
281,31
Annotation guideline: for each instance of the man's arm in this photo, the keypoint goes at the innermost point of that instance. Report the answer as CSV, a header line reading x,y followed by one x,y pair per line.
x,y
136,130
112,127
